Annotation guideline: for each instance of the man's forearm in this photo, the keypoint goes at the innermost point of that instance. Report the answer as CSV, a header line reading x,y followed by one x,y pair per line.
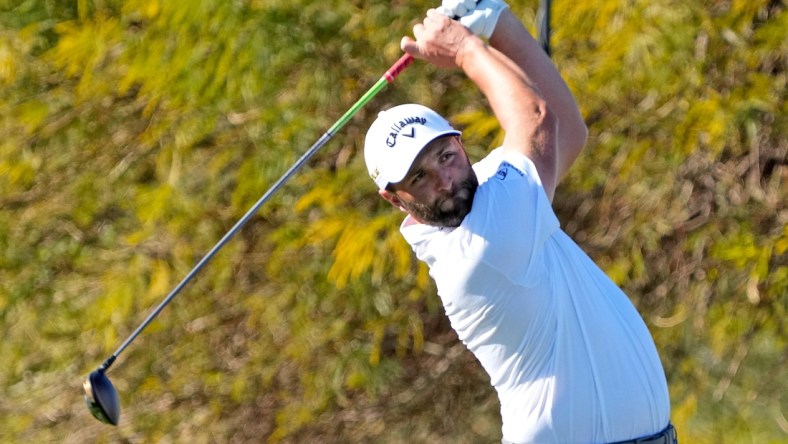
x,y
521,109
513,40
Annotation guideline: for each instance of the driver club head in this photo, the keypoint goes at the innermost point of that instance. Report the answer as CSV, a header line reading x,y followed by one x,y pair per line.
x,y
101,397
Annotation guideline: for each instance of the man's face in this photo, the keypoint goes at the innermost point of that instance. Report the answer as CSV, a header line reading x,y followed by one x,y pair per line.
x,y
439,187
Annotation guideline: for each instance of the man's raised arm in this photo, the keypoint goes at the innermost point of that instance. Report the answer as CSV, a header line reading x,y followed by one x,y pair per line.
x,y
512,39
530,125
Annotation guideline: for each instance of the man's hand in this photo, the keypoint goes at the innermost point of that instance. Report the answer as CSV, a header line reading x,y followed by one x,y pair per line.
x,y
480,16
439,40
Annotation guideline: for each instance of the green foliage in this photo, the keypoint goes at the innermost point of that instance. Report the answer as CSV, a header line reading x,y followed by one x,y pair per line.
x,y
135,134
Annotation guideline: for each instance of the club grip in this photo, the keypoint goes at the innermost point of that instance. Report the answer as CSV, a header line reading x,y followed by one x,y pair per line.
x,y
398,67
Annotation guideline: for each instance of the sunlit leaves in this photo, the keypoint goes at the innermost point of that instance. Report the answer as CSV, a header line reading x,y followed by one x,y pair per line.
x,y
135,133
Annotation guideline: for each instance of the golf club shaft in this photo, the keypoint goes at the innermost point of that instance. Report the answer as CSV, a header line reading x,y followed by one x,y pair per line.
x,y
387,78
543,25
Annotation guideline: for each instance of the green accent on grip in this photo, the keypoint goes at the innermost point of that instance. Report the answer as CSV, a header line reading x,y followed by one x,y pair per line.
x,y
379,86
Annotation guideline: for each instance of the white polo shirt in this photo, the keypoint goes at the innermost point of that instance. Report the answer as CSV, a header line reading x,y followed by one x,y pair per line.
x,y
570,357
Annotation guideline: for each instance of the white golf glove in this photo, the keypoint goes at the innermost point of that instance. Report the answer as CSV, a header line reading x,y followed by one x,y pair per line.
x,y
480,16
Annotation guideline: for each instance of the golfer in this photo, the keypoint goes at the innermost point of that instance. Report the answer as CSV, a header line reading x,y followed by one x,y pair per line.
x,y
569,356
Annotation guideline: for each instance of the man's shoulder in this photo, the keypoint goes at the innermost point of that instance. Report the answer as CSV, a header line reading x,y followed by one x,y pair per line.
x,y
500,163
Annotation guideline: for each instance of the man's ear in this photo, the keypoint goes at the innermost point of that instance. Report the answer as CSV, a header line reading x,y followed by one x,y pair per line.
x,y
392,198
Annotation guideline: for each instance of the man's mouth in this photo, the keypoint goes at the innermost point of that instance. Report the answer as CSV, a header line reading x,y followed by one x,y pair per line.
x,y
450,202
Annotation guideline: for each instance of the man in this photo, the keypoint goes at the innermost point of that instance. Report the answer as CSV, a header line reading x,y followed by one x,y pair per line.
x,y
568,354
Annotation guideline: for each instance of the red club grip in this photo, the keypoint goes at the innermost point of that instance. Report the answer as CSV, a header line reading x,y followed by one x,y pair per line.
x,y
398,67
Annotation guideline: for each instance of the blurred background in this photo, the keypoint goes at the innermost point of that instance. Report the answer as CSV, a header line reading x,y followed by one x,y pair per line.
x,y
135,133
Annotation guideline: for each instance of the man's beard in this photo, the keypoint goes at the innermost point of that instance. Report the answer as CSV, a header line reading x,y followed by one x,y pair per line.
x,y
449,209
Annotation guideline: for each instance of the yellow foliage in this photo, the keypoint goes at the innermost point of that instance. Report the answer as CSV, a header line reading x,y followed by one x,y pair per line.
x,y
423,276
706,124
146,8
618,271
238,390
417,333
8,65
16,176
400,255
478,124
117,302
135,132
32,113
781,245
355,380
159,281
150,384
378,330
681,416
138,236
356,251
153,204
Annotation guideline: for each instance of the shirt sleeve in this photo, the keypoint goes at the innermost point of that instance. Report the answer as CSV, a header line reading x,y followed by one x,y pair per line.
x,y
512,217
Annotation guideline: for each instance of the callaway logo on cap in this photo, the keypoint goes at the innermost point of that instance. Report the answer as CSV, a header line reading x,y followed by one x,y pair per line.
x,y
397,136
399,128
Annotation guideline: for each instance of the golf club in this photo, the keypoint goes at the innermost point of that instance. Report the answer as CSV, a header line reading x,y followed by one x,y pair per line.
x,y
543,25
100,395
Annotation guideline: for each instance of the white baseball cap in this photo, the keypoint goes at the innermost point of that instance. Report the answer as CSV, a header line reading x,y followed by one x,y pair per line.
x,y
397,136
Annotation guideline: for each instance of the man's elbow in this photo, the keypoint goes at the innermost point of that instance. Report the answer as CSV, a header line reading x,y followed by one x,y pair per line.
x,y
572,137
548,124
545,143
545,119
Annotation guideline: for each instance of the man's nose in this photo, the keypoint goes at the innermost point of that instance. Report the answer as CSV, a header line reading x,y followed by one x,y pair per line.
x,y
444,180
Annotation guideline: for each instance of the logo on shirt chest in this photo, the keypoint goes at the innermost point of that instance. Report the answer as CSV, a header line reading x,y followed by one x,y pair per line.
x,y
504,170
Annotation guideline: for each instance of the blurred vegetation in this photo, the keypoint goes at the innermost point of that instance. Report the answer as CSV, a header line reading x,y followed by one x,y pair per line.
x,y
135,133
